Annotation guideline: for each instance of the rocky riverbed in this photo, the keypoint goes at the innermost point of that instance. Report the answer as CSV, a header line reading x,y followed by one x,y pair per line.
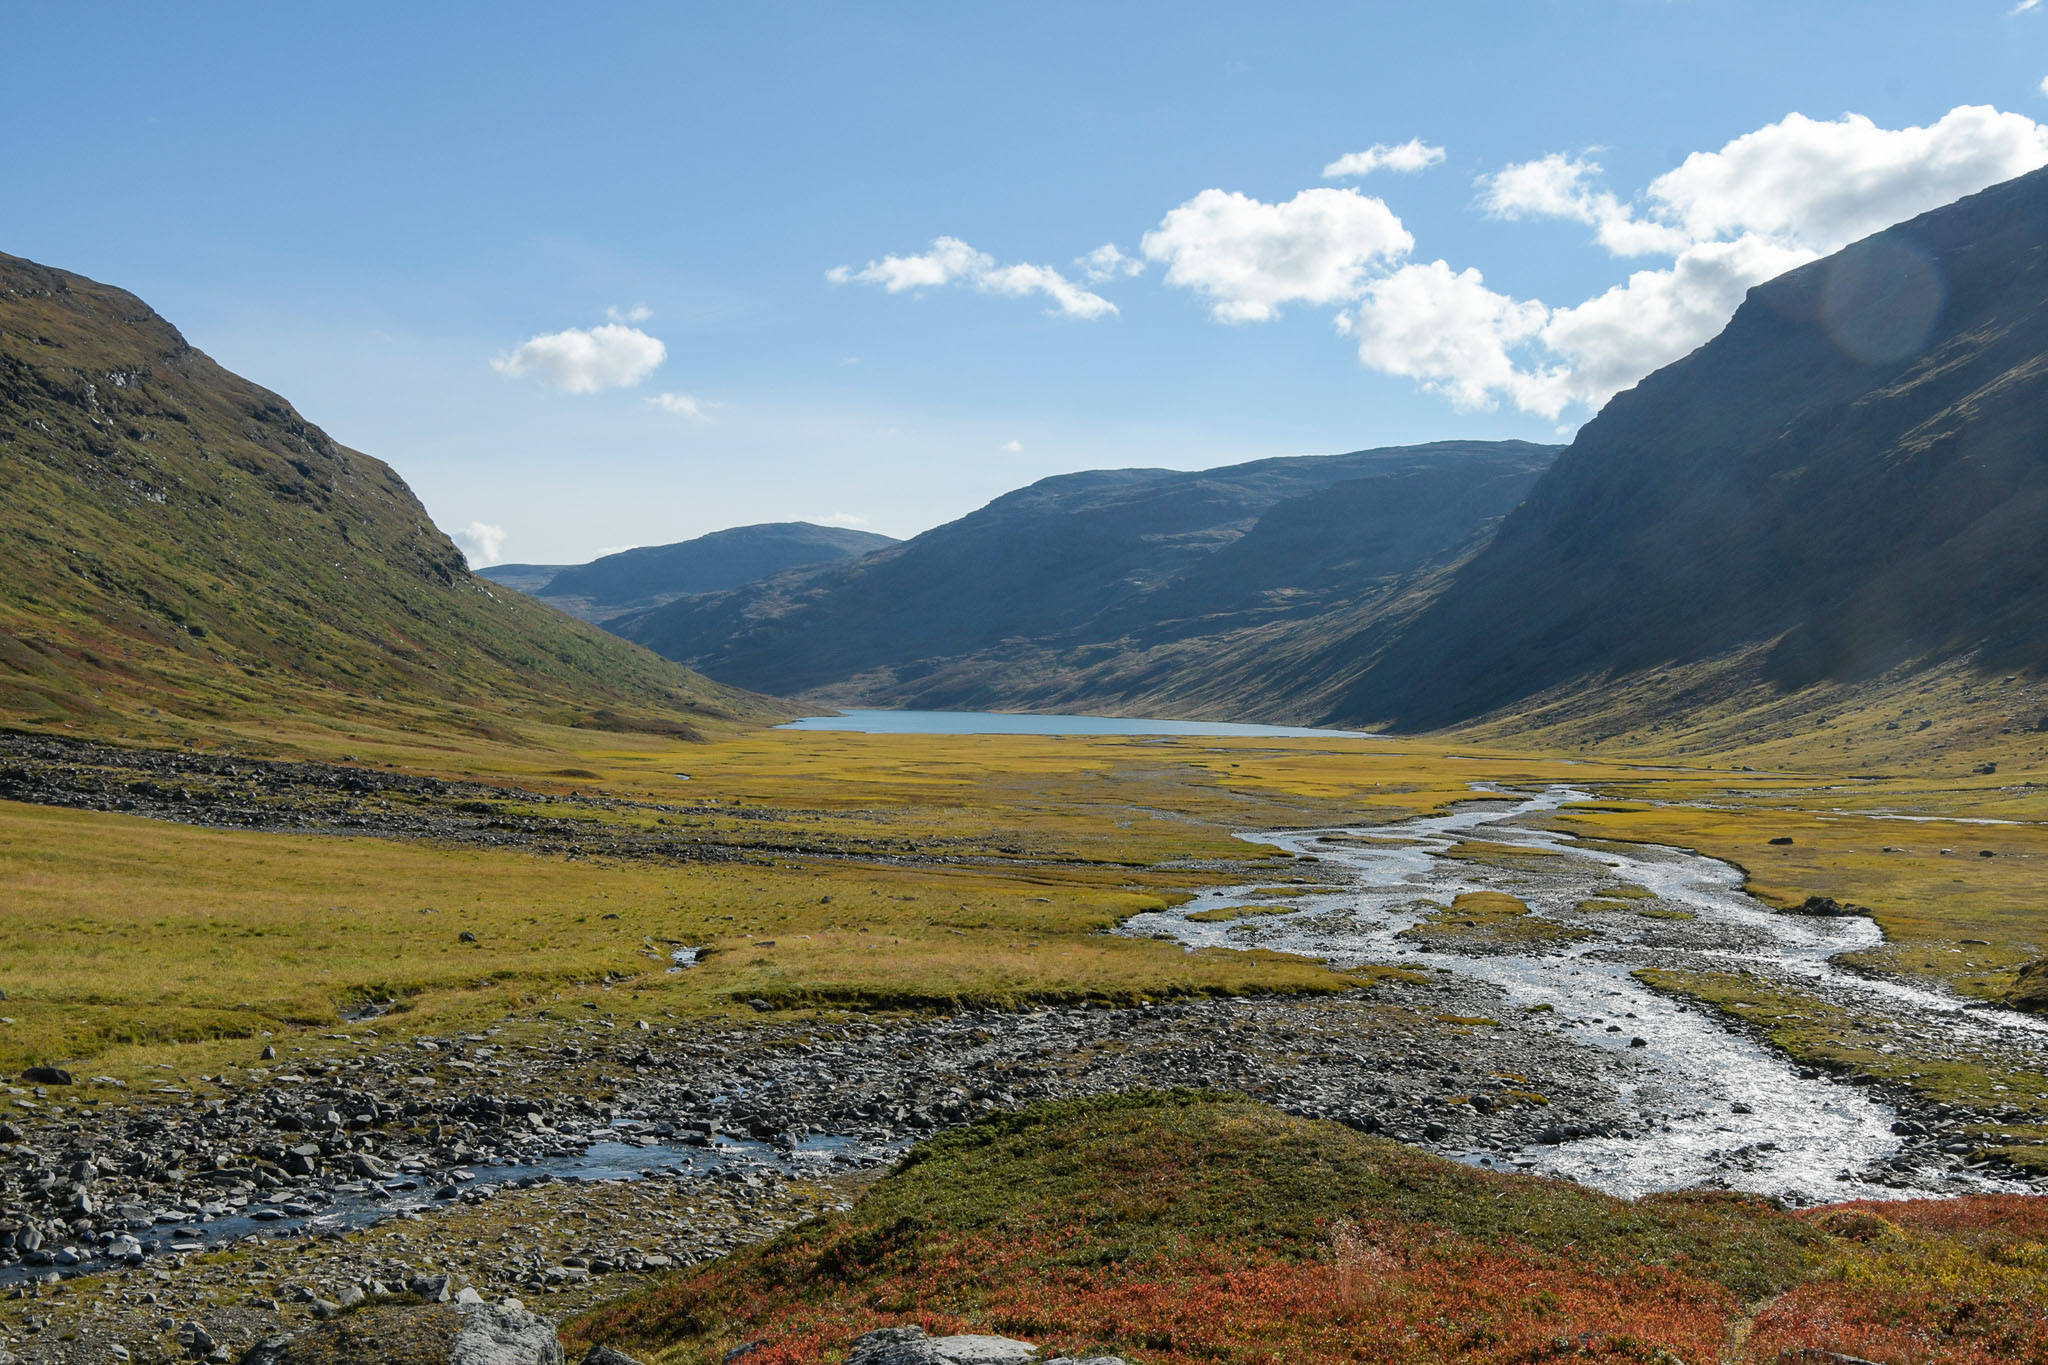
x,y
127,1222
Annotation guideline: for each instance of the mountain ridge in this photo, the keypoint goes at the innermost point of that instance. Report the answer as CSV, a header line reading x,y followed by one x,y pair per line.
x,y
1088,589
649,576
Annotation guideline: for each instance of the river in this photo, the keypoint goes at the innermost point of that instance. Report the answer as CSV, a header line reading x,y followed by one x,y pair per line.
x,y
1717,1107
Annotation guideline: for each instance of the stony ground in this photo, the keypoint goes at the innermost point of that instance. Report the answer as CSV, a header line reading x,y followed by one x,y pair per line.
x,y
291,1185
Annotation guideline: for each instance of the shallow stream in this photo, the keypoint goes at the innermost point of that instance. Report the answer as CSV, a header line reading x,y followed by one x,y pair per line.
x,y
1716,1107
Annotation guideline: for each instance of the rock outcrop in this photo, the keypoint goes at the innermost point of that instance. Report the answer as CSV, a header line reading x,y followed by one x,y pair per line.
x,y
433,1334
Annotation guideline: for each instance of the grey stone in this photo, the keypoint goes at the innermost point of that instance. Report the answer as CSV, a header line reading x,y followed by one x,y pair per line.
x,y
468,1334
605,1355
432,1288
910,1346
502,1334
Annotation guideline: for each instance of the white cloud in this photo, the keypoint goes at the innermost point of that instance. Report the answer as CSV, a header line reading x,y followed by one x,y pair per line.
x,y
2044,85
1106,262
1558,186
639,312
482,544
578,361
851,520
1250,257
681,404
952,261
1406,157
1827,184
1447,329
1011,447
2021,8
1766,202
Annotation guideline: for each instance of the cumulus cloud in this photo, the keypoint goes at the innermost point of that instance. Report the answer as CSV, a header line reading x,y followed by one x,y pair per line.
x,y
612,356
1107,262
952,261
639,312
1011,447
482,544
1447,329
2021,8
1405,157
1250,257
852,520
1766,202
681,404
1560,186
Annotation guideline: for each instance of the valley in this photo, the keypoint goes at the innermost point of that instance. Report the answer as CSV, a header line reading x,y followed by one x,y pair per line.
x,y
1623,940
856,982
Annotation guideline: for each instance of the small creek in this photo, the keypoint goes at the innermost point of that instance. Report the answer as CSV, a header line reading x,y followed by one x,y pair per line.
x,y
1717,1107
608,1156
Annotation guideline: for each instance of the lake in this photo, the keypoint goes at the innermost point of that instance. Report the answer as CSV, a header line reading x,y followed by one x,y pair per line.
x,y
1019,723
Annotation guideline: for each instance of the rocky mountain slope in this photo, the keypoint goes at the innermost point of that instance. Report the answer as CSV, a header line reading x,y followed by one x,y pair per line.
x,y
1256,590
183,548
651,575
1849,483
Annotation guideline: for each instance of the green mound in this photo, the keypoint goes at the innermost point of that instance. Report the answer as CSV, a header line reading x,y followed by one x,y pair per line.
x,y
1184,1227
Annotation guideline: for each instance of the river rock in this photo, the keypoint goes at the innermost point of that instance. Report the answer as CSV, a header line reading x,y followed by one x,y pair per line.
x,y
436,1334
910,1346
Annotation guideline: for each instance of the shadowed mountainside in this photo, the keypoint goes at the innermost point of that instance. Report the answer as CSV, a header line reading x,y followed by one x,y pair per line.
x,y
1850,480
184,548
651,575
1243,591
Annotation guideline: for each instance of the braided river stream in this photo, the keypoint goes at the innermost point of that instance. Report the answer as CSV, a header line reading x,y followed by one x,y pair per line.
x,y
1715,1106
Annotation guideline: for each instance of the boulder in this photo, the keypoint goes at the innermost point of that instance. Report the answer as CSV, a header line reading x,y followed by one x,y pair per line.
x,y
2030,988
46,1075
430,1334
1827,907
605,1355
911,1346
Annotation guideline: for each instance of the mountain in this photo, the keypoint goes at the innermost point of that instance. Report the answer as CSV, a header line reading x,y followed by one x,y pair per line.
x,y
651,575
526,578
1249,591
1851,480
185,550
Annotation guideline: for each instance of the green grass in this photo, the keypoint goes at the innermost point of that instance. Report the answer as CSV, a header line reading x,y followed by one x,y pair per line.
x,y
1482,920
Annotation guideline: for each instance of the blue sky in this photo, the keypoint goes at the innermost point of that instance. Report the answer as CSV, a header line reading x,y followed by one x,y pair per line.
x,y
365,206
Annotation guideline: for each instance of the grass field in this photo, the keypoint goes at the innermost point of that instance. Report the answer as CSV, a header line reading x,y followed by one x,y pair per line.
x,y
991,865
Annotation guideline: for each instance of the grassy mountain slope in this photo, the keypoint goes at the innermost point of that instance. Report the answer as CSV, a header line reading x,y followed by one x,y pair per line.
x,y
1253,590
184,550
650,575
1850,482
